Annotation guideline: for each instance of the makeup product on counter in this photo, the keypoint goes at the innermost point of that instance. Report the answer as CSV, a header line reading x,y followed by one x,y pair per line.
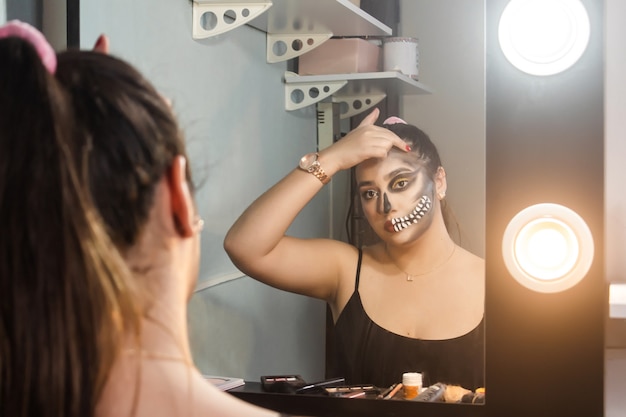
x,y
473,398
386,391
319,387
354,391
286,384
393,392
349,390
432,394
412,384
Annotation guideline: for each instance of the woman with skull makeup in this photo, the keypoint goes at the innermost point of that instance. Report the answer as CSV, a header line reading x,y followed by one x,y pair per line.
x,y
412,302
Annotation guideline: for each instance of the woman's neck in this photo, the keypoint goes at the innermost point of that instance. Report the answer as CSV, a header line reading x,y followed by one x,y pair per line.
x,y
159,357
164,332
162,273
430,251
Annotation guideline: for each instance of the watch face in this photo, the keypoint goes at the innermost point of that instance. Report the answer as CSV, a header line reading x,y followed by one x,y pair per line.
x,y
307,161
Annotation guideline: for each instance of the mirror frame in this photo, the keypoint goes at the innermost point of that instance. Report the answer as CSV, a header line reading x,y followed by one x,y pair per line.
x,y
555,362
545,144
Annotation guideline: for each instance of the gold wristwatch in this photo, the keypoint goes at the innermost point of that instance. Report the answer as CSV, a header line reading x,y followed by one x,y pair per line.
x,y
310,164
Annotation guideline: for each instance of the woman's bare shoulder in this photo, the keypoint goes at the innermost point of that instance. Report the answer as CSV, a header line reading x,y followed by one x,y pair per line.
x,y
375,251
472,264
470,257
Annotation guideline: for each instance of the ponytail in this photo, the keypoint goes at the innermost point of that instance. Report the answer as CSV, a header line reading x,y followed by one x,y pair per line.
x,y
62,286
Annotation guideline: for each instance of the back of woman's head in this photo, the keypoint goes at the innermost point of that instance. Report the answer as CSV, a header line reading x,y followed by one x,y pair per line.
x,y
131,132
61,286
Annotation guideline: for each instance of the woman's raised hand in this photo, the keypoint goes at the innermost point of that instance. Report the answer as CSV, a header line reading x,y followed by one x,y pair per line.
x,y
364,142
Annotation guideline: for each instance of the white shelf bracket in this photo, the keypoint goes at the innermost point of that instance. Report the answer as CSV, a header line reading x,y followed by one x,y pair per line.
x,y
282,47
211,19
353,104
304,94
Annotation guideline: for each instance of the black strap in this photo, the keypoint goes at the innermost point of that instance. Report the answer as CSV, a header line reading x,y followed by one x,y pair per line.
x,y
358,271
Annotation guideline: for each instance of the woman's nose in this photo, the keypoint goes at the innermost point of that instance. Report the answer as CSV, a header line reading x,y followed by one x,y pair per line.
x,y
386,208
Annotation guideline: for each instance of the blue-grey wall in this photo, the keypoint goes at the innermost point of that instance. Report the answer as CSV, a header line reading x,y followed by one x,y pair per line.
x,y
25,10
241,140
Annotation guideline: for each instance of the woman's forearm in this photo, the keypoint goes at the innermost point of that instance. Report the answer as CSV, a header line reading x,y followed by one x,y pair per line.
x,y
264,223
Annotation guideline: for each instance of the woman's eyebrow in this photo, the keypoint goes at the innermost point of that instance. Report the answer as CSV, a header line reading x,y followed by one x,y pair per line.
x,y
391,175
398,171
364,183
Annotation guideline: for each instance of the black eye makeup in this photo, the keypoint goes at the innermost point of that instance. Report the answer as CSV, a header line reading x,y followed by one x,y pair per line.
x,y
399,184
402,181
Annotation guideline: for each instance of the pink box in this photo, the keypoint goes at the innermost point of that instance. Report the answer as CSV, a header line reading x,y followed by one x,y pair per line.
x,y
340,56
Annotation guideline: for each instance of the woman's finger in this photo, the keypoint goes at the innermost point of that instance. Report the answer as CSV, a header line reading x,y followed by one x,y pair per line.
x,y
371,118
102,44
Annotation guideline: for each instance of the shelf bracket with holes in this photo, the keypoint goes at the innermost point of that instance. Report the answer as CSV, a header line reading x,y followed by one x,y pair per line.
x,y
304,94
211,19
353,104
356,92
282,47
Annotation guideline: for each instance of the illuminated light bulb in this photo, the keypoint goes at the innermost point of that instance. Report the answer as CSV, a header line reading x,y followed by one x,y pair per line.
x,y
547,247
544,37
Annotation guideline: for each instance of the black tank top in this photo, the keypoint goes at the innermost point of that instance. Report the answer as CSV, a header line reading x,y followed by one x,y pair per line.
x,y
366,353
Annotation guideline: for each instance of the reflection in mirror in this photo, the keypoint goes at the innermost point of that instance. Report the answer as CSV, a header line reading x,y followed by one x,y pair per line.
x,y
418,298
414,300
451,62
451,50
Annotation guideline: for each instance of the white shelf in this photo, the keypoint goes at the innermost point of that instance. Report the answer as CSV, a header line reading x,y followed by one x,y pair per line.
x,y
357,92
339,17
293,27
617,301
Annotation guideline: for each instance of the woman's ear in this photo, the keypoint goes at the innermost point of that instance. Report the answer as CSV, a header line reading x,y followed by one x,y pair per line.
x,y
183,207
441,184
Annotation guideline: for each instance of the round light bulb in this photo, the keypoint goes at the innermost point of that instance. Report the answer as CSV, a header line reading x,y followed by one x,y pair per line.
x,y
547,247
544,37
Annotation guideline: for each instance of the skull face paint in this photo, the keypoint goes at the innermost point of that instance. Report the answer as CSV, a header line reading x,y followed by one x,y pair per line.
x,y
386,204
399,223
396,194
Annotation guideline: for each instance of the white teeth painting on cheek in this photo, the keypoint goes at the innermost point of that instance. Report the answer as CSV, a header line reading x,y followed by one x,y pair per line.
x,y
401,223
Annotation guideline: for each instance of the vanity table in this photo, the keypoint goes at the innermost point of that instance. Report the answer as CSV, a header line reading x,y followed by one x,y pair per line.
x,y
325,406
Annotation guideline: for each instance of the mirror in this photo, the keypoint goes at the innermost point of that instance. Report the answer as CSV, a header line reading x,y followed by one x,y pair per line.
x,y
236,128
240,327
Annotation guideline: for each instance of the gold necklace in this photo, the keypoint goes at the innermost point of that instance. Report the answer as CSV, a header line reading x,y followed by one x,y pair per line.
x,y
409,277
158,356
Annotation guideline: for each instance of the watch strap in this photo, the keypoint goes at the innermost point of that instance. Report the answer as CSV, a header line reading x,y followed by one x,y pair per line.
x,y
314,167
319,173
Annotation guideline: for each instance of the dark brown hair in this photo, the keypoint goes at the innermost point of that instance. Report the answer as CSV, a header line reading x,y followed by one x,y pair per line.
x,y
62,285
131,133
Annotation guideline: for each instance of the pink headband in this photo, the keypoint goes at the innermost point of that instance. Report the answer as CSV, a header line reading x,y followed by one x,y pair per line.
x,y
16,28
393,120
